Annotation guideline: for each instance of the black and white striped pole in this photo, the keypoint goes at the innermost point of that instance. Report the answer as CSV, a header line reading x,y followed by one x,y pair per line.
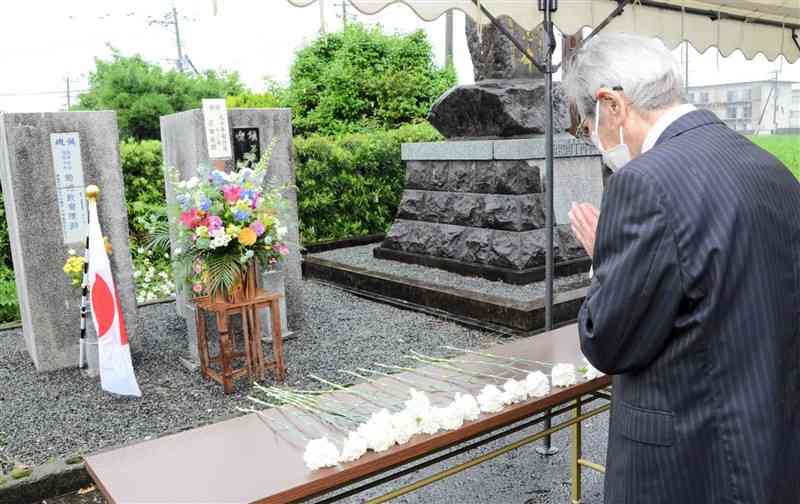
x,y
91,194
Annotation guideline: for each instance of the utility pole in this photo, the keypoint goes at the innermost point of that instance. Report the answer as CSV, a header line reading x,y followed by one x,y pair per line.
x,y
448,42
69,100
343,5
177,37
322,17
686,68
775,102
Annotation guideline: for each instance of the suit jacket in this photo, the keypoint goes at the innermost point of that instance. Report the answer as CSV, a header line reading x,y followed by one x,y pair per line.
x,y
694,309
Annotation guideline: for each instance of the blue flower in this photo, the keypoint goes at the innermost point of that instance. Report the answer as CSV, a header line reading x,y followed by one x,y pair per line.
x,y
204,203
184,202
217,178
241,215
246,173
247,194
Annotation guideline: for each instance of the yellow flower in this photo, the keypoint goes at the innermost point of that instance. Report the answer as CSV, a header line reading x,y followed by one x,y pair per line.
x,y
247,237
107,244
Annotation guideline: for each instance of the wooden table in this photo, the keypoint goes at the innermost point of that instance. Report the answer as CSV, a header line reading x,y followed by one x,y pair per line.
x,y
244,460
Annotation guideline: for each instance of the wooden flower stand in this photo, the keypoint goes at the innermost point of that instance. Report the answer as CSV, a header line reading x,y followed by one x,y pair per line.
x,y
254,363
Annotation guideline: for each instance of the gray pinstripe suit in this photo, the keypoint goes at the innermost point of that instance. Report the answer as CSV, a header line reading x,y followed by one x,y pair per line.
x,y
695,308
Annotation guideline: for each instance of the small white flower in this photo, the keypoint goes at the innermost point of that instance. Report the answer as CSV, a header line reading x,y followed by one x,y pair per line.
x,y
192,183
469,406
320,453
563,375
514,391
354,447
449,418
591,372
71,252
490,399
282,230
178,250
378,431
405,425
419,402
537,384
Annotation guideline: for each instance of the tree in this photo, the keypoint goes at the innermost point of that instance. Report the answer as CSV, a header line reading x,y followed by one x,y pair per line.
x,y
141,92
361,78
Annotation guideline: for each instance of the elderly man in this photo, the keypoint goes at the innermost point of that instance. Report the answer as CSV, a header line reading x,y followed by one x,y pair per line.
x,y
694,307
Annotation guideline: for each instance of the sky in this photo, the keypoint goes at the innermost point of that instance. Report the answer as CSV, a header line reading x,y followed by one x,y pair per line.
x,y
44,42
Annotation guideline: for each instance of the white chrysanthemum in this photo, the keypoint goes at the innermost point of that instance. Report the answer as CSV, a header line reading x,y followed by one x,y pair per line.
x,y
563,375
405,425
282,231
354,447
192,183
450,417
419,402
537,384
514,391
468,405
591,372
378,431
490,399
320,453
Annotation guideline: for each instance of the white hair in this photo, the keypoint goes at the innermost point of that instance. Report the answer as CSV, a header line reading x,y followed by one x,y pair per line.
x,y
648,74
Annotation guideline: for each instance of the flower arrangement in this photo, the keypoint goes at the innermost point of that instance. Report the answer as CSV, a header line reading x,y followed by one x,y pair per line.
x,y
225,222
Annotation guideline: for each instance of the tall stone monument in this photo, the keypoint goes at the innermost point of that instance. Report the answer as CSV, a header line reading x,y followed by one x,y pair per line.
x,y
185,146
475,203
46,161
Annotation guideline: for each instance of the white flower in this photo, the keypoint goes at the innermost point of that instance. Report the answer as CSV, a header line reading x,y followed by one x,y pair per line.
x,y
192,183
378,431
221,239
514,391
537,384
282,230
468,405
563,375
354,446
320,453
449,418
490,399
178,250
405,425
419,402
71,252
591,372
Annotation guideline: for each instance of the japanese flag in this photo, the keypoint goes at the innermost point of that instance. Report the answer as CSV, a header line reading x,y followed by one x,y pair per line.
x,y
116,368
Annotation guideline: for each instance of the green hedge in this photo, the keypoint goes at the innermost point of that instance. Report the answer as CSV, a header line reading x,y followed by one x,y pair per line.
x,y
144,183
350,185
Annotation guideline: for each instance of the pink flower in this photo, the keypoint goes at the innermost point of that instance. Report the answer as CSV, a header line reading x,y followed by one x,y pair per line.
x,y
197,288
282,249
214,223
232,193
258,227
191,218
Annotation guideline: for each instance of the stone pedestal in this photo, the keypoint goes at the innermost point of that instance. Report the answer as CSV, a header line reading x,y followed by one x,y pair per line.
x,y
477,207
41,230
184,146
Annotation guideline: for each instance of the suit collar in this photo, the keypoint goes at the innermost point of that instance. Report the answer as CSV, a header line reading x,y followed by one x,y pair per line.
x,y
688,122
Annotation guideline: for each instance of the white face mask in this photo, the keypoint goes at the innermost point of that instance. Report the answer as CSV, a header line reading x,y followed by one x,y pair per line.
x,y
619,155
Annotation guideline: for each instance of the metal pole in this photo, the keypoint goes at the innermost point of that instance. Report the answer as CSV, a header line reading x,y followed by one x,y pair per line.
x,y
547,448
84,298
448,42
69,101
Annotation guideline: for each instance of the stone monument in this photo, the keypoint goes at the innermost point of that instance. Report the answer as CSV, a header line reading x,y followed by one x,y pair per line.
x,y
46,161
475,203
185,147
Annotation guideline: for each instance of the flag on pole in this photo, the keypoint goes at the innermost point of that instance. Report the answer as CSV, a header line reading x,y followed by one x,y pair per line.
x,y
114,352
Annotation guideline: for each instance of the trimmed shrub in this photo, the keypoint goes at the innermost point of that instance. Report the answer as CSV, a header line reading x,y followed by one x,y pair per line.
x,y
351,185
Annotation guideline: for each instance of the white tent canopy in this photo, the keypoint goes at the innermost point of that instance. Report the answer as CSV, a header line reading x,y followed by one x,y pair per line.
x,y
752,26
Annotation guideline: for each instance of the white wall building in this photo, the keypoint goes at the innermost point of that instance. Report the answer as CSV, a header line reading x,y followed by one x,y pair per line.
x,y
749,107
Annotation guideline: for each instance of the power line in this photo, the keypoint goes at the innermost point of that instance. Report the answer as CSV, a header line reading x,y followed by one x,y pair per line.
x,y
40,93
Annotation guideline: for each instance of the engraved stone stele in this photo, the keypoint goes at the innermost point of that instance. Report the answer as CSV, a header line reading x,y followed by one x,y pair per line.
x,y
477,207
252,131
46,160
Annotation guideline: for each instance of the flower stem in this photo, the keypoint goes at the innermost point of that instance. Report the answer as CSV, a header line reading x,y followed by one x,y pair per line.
x,y
499,357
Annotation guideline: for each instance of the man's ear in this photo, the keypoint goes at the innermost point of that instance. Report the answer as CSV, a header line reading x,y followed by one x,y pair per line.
x,y
613,100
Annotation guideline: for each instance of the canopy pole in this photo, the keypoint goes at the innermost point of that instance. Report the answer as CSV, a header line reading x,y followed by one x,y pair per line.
x,y
497,24
548,6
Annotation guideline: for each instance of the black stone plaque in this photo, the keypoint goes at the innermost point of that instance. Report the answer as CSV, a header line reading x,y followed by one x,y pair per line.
x,y
246,147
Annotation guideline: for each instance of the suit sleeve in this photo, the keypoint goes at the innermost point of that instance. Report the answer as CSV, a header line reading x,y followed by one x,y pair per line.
x,y
633,300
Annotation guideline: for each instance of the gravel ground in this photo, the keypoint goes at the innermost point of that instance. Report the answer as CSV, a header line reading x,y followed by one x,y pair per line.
x,y
362,257
61,413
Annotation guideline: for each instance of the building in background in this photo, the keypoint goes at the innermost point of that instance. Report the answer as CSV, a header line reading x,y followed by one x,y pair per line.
x,y
767,106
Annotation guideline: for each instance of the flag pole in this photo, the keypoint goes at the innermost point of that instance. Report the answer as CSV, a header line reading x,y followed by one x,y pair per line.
x,y
91,196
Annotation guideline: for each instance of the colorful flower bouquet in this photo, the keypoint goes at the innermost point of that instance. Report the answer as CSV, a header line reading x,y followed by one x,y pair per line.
x,y
226,222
